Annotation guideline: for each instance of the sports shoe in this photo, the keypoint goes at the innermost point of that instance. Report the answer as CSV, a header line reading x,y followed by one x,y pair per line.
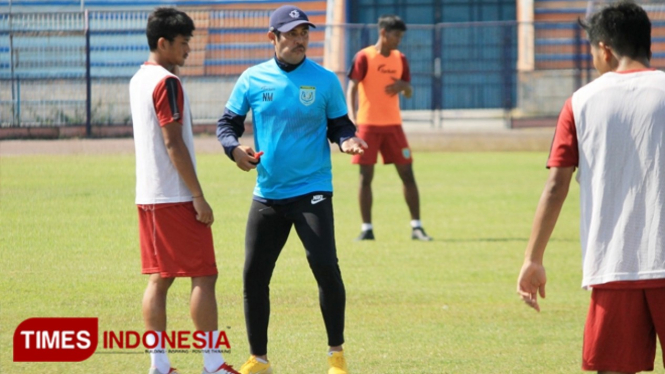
x,y
253,366
366,235
418,233
154,370
337,363
224,369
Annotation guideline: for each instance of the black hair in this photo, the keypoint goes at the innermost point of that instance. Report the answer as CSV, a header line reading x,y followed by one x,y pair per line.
x,y
167,23
624,27
391,22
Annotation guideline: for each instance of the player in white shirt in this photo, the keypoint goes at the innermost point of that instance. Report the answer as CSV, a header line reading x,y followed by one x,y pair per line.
x,y
613,130
174,217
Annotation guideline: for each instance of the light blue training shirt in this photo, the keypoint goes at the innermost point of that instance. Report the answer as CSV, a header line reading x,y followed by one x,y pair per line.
x,y
290,111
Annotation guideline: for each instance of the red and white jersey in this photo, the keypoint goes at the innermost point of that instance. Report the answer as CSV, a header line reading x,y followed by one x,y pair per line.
x,y
157,98
613,130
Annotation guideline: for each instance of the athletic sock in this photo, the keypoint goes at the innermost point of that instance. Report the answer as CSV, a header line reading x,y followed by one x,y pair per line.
x,y
158,357
416,223
261,360
366,227
212,356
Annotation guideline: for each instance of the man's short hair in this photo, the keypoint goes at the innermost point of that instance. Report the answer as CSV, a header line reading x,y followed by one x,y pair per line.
x,y
624,27
167,23
391,22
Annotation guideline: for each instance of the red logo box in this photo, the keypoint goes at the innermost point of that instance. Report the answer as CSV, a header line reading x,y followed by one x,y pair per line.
x,y
55,339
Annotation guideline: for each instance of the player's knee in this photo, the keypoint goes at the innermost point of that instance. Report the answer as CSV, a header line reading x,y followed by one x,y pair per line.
x,y
409,182
257,273
407,177
159,284
207,281
366,179
326,273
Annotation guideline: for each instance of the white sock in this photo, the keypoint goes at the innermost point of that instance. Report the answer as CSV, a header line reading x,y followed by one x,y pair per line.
x,y
366,226
212,357
158,357
261,360
416,223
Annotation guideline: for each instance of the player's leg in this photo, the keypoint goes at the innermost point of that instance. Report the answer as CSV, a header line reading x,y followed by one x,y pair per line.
x,y
366,162
395,150
203,309
266,233
154,302
203,303
154,318
619,336
314,223
365,200
153,305
186,249
410,189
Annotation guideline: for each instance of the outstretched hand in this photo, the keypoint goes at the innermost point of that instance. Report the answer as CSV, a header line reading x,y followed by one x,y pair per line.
x,y
354,146
531,282
244,157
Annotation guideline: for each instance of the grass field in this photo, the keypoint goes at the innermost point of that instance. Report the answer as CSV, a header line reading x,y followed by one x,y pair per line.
x,y
70,248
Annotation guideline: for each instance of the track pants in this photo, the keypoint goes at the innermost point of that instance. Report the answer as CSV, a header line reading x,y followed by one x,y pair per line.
x,y
268,228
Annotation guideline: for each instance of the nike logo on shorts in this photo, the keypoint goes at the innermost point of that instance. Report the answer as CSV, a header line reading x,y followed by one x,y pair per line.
x,y
317,199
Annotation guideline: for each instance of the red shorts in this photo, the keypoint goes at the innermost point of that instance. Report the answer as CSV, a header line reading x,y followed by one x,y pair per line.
x,y
621,328
389,140
174,243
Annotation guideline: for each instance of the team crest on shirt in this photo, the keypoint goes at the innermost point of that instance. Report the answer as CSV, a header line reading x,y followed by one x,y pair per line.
x,y
307,95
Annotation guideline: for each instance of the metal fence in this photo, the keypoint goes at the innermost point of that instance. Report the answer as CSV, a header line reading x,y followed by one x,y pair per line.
x,y
74,68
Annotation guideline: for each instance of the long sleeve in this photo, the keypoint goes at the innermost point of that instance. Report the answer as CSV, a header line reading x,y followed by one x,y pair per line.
x,y
340,129
230,127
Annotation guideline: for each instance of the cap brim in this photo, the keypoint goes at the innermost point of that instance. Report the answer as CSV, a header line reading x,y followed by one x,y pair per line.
x,y
292,25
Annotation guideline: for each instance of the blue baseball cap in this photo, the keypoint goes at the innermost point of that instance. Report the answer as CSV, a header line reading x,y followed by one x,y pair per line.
x,y
287,17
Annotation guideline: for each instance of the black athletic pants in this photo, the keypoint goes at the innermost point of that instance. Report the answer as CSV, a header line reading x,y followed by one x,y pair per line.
x,y
268,227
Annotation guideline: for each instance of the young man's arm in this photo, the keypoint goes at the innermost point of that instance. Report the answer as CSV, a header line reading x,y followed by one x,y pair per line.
x,y
403,84
532,278
400,86
356,74
352,99
179,155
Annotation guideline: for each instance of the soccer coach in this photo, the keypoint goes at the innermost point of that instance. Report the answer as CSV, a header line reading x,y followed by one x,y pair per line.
x,y
297,106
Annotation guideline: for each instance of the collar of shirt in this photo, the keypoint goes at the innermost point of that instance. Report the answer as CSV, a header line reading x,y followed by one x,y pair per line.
x,y
288,67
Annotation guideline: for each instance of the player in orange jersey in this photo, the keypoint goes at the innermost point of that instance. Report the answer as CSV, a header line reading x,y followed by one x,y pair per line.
x,y
379,74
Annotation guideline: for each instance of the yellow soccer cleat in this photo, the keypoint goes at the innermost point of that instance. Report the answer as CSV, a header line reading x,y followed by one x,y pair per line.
x,y
253,366
337,363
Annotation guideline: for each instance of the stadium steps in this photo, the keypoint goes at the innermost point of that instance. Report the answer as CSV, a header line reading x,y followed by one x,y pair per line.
x,y
556,32
559,10
231,51
229,37
236,44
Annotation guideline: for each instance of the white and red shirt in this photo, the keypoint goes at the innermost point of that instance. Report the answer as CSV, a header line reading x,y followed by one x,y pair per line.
x,y
613,130
157,98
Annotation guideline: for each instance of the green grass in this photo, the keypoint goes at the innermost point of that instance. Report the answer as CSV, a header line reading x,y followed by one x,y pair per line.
x,y
70,248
